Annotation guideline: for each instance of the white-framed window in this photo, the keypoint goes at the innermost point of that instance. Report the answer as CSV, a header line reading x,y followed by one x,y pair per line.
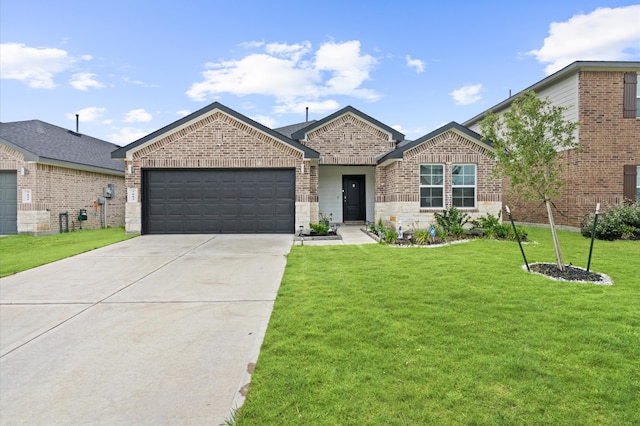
x,y
432,186
463,186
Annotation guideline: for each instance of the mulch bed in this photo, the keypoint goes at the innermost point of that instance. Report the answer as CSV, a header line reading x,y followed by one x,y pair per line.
x,y
571,274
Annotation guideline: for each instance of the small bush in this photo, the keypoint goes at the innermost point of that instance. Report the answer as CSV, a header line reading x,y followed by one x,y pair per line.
x,y
616,222
319,228
452,221
493,227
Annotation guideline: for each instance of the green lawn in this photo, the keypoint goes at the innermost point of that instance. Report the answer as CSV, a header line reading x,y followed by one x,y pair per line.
x,y
372,335
21,252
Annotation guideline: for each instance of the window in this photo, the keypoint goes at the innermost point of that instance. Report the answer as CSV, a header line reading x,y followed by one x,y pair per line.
x,y
432,186
463,185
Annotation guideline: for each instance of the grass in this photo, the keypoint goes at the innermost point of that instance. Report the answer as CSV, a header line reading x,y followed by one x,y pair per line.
x,y
374,335
22,252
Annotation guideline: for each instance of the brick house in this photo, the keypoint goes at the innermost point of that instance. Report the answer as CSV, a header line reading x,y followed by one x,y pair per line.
x,y
46,170
217,171
605,98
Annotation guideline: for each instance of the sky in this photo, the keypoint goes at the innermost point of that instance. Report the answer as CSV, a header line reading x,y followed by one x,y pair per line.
x,y
129,68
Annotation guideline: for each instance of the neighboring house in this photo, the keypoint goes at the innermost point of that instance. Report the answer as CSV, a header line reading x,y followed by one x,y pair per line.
x,y
46,170
605,98
217,171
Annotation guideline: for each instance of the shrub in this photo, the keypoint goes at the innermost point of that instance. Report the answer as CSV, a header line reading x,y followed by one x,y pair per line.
x,y
319,228
452,221
616,222
421,236
494,228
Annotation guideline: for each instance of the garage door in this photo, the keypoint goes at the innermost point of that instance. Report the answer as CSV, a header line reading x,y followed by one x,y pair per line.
x,y
206,201
8,202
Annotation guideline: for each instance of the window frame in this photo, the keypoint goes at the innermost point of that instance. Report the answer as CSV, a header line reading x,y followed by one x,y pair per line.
x,y
638,183
432,186
463,186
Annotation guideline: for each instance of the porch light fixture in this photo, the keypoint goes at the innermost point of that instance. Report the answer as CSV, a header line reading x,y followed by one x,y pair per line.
x,y
302,168
24,171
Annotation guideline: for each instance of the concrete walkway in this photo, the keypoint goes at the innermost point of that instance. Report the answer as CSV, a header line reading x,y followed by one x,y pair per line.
x,y
351,234
156,330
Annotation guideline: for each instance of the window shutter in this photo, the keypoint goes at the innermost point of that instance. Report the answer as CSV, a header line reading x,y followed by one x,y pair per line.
x,y
630,83
630,173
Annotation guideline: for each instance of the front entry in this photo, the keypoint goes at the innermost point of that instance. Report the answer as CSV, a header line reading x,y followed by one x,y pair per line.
x,y
353,198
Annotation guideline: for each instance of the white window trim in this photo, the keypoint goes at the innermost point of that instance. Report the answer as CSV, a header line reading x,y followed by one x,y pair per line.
x,y
444,195
474,186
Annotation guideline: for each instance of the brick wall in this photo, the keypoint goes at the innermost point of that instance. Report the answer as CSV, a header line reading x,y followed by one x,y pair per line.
x,y
608,142
57,189
221,141
403,177
349,141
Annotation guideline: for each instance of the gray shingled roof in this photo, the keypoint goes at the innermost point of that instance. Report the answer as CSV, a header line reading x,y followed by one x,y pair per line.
x,y
46,143
292,128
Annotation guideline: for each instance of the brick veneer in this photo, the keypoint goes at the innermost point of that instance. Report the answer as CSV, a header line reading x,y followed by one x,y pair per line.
x,y
608,142
349,141
57,189
221,141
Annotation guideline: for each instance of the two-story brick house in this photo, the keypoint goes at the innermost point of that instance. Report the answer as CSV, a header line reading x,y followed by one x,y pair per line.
x,y
605,98
217,171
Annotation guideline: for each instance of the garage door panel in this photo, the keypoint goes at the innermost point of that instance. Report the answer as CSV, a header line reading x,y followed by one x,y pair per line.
x,y
219,201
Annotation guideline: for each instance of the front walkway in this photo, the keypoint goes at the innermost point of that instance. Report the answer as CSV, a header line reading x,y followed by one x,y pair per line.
x,y
351,234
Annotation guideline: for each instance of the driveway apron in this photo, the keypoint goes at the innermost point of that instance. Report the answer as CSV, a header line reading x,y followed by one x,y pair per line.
x,y
159,329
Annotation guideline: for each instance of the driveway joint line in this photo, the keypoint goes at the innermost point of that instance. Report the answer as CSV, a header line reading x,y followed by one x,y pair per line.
x,y
105,298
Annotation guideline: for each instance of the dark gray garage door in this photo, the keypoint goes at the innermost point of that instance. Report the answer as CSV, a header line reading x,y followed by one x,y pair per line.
x,y
8,202
206,201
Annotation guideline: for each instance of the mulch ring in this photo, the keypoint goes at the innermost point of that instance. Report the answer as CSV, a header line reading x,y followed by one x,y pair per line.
x,y
571,273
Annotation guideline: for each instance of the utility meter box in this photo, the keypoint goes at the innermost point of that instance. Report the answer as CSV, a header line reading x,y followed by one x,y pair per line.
x,y
82,215
101,200
109,191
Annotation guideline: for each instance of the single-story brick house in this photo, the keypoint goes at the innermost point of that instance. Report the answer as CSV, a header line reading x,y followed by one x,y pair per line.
x,y
46,170
218,171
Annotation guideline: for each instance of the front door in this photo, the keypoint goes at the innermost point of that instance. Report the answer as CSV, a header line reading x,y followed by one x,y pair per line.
x,y
353,198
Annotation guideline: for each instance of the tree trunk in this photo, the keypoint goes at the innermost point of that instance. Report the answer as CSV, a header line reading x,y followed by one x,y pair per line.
x,y
556,244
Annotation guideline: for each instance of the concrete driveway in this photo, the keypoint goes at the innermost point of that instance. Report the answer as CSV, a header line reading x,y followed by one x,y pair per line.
x,y
155,330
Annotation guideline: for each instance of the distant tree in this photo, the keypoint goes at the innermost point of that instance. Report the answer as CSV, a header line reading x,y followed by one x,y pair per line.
x,y
528,139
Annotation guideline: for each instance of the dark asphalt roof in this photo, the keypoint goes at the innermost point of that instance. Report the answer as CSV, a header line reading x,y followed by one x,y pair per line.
x,y
292,128
44,142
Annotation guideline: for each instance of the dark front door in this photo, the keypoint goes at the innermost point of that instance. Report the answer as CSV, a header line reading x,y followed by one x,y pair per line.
x,y
353,198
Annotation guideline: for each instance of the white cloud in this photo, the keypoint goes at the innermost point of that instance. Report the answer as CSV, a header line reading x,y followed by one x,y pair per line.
x,y
183,112
410,133
467,95
137,116
32,66
270,122
85,80
293,74
415,63
126,135
87,114
606,34
300,107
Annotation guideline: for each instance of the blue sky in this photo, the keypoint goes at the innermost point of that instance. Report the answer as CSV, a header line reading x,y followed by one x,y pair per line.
x,y
131,67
